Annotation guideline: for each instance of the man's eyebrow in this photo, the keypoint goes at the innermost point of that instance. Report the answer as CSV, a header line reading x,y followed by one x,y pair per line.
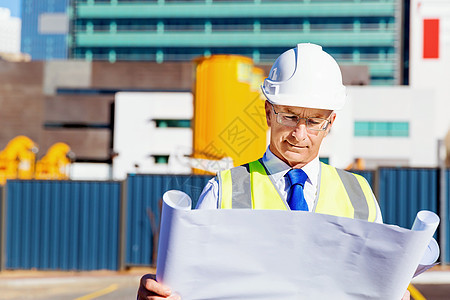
x,y
313,115
290,111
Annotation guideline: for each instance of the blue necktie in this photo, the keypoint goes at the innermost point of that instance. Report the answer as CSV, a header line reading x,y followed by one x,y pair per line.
x,y
296,199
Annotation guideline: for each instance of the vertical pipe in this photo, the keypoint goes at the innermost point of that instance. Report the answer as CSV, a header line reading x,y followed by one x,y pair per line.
x,y
376,185
399,45
442,201
123,226
3,228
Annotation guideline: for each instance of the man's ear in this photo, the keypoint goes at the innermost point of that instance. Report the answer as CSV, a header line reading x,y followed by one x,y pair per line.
x,y
331,118
268,108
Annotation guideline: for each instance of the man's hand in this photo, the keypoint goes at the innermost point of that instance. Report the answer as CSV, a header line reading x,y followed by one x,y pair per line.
x,y
150,289
406,296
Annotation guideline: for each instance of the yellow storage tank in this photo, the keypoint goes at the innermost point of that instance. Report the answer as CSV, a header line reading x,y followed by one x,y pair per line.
x,y
229,118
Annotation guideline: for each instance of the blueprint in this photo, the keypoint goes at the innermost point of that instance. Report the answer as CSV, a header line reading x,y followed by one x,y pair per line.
x,y
270,254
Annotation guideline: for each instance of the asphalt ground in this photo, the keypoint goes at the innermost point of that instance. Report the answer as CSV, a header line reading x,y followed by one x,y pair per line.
x,y
71,285
431,285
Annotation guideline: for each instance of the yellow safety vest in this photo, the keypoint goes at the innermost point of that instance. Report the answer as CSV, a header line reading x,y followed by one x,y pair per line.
x,y
340,193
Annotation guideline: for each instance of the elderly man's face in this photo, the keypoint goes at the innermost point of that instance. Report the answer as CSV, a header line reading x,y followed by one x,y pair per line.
x,y
297,145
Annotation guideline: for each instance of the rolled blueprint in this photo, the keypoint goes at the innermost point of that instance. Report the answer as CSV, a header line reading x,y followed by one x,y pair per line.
x,y
173,201
177,199
427,220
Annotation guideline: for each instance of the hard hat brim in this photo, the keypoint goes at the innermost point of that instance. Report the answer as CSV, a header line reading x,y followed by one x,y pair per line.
x,y
308,101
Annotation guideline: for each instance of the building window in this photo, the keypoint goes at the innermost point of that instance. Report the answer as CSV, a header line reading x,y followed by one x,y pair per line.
x,y
161,159
173,123
325,160
385,129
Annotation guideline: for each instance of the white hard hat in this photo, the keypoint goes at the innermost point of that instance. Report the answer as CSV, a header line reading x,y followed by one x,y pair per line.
x,y
305,76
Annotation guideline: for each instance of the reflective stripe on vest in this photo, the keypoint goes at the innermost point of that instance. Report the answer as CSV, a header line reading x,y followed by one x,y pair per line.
x,y
340,193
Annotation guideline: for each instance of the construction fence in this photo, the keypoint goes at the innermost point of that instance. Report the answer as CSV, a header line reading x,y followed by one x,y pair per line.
x,y
92,225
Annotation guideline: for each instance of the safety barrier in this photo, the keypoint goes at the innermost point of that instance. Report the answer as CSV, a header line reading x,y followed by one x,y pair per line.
x,y
80,225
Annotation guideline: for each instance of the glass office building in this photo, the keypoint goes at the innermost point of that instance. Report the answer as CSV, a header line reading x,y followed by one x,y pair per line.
x,y
45,27
355,32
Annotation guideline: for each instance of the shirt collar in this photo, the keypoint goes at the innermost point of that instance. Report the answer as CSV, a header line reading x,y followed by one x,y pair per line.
x,y
278,168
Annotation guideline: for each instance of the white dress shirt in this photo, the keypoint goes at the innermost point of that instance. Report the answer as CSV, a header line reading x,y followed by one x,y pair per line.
x,y
209,199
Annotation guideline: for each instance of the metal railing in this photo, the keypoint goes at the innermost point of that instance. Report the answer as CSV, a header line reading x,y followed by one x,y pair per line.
x,y
121,28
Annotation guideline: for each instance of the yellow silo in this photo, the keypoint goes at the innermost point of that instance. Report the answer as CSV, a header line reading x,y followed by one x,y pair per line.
x,y
229,117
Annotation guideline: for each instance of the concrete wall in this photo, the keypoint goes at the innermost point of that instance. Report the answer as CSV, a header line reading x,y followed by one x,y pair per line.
x,y
65,73
29,99
21,101
144,75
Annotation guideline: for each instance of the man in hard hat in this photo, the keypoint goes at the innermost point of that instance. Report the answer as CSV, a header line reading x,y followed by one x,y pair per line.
x,y
303,90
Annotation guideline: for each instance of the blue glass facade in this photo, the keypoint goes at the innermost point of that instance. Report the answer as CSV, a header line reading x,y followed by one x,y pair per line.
x,y
363,32
39,39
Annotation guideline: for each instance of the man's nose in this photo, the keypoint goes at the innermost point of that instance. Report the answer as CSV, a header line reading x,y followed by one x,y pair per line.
x,y
300,131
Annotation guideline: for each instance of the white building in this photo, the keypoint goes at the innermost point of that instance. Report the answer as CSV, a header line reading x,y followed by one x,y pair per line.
x,y
148,129
9,32
430,56
385,126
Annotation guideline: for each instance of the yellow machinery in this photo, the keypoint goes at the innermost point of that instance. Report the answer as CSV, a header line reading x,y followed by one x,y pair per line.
x,y
55,164
18,161
357,164
229,118
18,158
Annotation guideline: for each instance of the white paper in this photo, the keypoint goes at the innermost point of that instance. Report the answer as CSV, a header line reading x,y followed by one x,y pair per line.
x,y
270,254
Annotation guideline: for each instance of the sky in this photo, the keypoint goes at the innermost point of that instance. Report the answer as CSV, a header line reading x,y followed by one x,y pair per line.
x,y
13,5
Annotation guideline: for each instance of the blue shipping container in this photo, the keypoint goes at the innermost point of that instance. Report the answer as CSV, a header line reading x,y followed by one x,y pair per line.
x,y
403,192
62,225
144,195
